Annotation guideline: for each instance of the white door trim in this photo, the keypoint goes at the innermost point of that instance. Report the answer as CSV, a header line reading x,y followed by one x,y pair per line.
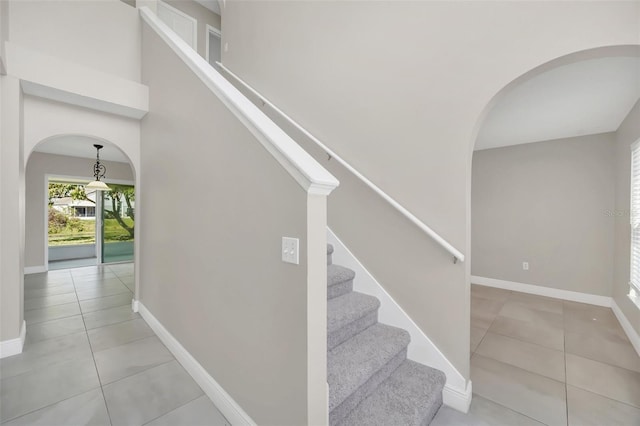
x,y
215,31
180,13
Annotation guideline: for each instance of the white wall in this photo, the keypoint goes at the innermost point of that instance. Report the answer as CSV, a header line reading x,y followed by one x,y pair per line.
x,y
41,164
549,204
11,209
104,35
628,133
399,90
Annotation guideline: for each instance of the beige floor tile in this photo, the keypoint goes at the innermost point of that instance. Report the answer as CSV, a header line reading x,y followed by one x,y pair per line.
x,y
540,303
528,356
612,382
476,336
118,334
589,409
580,317
522,312
538,397
489,292
538,333
604,346
484,311
482,413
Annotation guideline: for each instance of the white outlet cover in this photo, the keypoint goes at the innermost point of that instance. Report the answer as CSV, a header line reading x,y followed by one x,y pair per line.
x,y
291,250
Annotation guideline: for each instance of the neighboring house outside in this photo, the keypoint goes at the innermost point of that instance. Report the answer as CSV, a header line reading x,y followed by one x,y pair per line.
x,y
86,209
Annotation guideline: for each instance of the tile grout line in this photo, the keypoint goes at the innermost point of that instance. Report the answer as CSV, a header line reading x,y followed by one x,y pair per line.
x,y
188,402
95,365
515,366
492,321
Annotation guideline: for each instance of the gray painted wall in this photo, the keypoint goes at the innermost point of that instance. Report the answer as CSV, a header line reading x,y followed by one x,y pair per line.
x,y
218,205
546,203
628,133
41,164
407,117
103,35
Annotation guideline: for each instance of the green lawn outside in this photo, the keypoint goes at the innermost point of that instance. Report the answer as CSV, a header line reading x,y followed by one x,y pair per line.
x,y
84,233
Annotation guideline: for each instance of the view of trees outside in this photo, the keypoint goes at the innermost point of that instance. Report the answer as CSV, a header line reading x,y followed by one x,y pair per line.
x,y
72,214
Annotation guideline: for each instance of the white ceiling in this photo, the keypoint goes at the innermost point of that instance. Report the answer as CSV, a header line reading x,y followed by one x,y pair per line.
x,y
583,98
212,5
81,146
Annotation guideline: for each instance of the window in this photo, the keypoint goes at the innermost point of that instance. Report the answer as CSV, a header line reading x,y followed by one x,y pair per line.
x,y
635,220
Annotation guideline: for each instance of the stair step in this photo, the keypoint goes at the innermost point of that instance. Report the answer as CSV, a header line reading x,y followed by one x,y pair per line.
x,y
412,395
329,253
348,315
339,281
356,367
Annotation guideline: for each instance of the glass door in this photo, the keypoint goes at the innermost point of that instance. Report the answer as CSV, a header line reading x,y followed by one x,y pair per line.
x,y
118,223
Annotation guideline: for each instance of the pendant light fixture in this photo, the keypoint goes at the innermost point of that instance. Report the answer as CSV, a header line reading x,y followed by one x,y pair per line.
x,y
98,172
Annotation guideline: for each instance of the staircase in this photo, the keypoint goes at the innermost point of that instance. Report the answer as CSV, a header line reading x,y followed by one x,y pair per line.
x,y
371,381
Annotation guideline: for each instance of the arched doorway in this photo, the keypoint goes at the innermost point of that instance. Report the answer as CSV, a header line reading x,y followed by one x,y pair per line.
x,y
543,250
89,270
83,227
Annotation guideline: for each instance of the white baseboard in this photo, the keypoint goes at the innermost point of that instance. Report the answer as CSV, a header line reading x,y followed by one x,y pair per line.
x,y
631,333
35,269
457,391
574,296
14,346
135,305
457,399
222,400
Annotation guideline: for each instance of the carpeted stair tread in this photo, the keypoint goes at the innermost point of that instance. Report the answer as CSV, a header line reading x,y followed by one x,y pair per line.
x,y
411,396
348,315
339,280
353,363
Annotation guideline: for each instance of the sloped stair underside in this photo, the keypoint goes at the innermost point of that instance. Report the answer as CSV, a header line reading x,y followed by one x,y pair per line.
x,y
371,381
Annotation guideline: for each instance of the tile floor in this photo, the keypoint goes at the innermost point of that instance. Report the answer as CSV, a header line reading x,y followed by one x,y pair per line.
x,y
542,361
88,359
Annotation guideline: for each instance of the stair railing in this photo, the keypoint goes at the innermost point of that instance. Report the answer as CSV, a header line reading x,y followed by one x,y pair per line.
x,y
457,255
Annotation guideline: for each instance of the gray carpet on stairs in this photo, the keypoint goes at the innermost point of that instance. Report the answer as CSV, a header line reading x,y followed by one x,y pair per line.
x,y
371,381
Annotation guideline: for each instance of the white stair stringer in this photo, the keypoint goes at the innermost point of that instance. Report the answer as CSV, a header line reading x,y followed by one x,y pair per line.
x,y
457,390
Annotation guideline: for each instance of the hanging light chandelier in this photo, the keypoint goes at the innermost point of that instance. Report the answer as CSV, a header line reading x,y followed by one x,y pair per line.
x,y
98,172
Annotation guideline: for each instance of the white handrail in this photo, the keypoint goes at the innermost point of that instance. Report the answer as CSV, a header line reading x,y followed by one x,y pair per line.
x,y
296,161
430,232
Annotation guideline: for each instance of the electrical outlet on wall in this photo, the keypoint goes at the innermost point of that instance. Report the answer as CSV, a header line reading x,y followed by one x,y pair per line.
x,y
291,250
525,266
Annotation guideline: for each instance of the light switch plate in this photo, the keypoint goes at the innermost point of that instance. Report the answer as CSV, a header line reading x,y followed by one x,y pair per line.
x,y
291,250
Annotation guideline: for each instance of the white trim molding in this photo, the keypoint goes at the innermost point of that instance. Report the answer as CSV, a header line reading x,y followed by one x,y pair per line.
x,y
74,84
222,400
631,333
35,269
217,33
13,346
574,296
457,390
297,162
194,22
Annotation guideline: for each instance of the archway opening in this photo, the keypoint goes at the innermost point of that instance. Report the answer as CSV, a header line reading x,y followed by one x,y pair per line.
x,y
82,227
549,216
